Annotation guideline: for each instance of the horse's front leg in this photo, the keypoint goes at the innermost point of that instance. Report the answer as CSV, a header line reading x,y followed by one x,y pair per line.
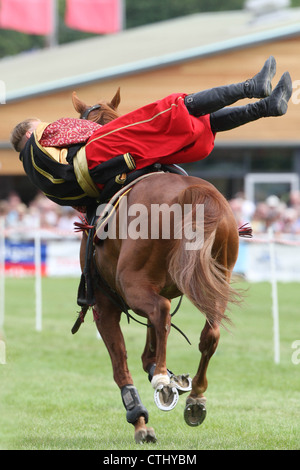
x,y
181,382
195,410
157,309
149,353
107,319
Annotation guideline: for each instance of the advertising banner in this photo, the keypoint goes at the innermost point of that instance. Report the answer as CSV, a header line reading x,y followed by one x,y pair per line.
x,y
19,258
61,258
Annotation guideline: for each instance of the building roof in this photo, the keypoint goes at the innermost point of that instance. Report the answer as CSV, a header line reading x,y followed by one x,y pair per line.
x,y
140,49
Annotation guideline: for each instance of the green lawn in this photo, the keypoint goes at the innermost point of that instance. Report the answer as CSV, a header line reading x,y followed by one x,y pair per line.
x,y
57,390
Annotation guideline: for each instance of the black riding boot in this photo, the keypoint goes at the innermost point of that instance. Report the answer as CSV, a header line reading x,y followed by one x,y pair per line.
x,y
274,105
209,101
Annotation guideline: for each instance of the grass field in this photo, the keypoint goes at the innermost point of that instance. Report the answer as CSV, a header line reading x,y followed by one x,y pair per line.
x,y
57,390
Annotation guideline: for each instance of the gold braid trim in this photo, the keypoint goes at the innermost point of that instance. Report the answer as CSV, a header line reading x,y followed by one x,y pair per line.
x,y
129,161
43,172
82,174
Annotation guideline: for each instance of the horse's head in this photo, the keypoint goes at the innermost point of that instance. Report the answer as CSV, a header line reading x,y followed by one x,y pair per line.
x,y
102,112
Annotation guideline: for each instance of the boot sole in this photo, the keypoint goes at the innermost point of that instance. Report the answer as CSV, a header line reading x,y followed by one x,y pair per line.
x,y
267,89
264,85
285,84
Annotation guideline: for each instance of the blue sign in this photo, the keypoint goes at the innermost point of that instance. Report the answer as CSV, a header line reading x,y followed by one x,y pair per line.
x,y
22,252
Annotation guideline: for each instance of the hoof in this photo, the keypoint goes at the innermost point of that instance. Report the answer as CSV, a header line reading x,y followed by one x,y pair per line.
x,y
145,435
166,397
183,383
195,411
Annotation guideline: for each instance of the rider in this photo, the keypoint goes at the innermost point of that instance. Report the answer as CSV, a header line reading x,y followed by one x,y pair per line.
x,y
70,160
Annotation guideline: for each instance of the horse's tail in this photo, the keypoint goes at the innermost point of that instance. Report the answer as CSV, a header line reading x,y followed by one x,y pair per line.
x,y
196,272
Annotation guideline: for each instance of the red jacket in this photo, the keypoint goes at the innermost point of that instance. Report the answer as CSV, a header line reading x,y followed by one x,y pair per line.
x,y
161,132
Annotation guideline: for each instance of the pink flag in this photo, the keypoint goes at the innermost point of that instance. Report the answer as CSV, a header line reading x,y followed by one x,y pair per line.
x,y
27,16
94,16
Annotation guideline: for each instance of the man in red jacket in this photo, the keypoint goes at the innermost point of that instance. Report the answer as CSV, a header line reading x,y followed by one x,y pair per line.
x,y
177,129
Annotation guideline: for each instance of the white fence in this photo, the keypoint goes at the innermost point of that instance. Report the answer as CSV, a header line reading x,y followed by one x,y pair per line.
x,y
254,260
40,253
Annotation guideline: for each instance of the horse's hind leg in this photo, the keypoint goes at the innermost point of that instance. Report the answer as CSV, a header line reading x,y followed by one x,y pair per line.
x,y
107,319
195,410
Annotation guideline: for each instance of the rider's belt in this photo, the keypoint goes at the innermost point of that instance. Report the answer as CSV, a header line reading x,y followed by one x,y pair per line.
x,y
116,168
82,174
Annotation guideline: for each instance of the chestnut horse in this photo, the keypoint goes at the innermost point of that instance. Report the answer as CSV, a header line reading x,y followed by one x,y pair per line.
x,y
146,273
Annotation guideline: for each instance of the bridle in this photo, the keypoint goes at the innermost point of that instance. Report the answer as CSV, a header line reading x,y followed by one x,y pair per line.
x,y
87,111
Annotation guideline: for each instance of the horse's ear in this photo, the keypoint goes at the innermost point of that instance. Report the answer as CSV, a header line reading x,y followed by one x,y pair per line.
x,y
79,105
116,100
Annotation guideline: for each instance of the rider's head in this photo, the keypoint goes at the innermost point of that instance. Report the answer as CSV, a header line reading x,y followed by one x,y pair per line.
x,y
22,132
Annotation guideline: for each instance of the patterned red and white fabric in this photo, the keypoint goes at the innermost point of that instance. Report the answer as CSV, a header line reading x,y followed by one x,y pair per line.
x,y
68,131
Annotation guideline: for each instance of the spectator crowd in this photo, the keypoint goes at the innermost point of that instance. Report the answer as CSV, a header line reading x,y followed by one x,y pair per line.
x,y
284,217
41,212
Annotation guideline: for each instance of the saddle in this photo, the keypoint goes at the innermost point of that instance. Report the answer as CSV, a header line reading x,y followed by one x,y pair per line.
x,y
94,224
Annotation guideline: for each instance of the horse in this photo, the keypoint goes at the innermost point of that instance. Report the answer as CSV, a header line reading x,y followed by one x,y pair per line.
x,y
147,273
